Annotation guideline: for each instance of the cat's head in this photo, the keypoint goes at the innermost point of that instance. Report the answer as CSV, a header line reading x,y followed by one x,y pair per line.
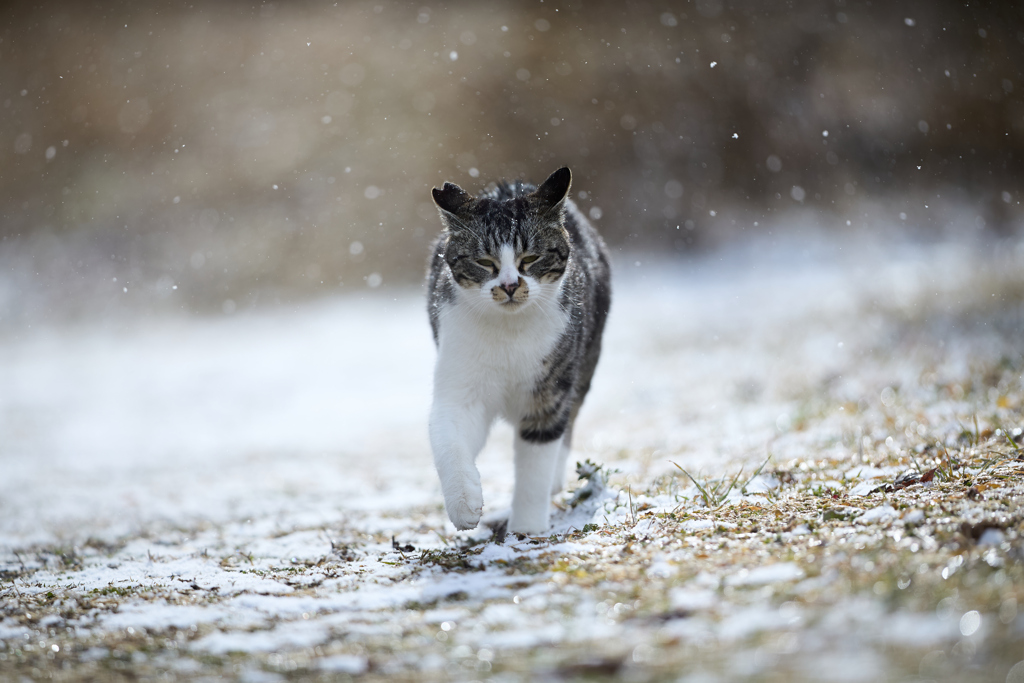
x,y
509,249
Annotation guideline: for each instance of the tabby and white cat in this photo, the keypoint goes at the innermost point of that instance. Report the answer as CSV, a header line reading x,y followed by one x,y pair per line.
x,y
518,295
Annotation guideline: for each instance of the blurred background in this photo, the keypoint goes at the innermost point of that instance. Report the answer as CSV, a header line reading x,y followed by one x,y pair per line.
x,y
223,156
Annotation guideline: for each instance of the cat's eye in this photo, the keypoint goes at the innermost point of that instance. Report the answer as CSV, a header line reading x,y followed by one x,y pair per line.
x,y
529,259
486,263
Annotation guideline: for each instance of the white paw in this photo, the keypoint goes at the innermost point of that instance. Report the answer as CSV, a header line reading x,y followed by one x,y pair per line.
x,y
464,508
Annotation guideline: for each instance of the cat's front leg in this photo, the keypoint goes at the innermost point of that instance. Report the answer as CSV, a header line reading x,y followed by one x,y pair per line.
x,y
457,433
535,472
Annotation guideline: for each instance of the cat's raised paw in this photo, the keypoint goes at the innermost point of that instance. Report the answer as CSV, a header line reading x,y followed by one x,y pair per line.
x,y
463,516
465,510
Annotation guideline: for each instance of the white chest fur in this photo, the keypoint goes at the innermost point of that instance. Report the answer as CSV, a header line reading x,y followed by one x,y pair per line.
x,y
495,358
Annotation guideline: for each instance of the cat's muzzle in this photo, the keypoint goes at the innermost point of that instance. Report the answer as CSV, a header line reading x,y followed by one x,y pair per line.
x,y
511,293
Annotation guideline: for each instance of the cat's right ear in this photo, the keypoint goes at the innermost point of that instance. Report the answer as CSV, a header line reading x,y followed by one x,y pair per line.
x,y
554,190
450,198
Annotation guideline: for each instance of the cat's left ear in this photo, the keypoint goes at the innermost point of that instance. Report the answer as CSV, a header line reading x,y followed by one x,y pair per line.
x,y
553,191
450,198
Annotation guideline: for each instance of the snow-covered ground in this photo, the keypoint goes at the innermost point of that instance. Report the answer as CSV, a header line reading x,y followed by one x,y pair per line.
x,y
176,492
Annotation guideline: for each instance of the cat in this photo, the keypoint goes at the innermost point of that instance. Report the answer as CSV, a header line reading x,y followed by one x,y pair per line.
x,y
518,293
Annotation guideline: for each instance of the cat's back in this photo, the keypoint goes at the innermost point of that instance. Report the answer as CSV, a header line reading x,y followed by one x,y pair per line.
x,y
587,286
589,248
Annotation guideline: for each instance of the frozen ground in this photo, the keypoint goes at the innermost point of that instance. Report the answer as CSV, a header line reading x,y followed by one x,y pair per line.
x,y
253,496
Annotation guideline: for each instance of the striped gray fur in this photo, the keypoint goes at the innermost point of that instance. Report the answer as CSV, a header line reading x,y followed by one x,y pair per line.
x,y
541,221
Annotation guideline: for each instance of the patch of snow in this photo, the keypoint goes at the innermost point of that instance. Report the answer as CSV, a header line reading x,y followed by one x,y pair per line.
x,y
750,620
286,636
870,472
277,606
12,631
864,488
343,664
915,516
502,613
96,653
878,515
252,675
493,552
852,666
660,569
760,576
916,630
646,527
815,583
181,664
692,600
706,580
437,616
514,639
146,615
991,536
481,585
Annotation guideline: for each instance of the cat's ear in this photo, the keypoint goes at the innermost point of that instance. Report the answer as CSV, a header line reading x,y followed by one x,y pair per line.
x,y
450,198
553,191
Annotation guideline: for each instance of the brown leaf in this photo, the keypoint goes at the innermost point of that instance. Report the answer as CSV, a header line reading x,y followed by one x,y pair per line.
x,y
906,479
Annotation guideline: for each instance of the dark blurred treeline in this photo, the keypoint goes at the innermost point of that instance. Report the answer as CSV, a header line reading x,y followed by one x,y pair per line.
x,y
227,153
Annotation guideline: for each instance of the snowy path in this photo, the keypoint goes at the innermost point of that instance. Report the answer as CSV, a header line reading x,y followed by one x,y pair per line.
x,y
233,484
185,420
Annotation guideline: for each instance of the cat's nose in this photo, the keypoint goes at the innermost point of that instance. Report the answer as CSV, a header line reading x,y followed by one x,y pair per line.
x,y
510,287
